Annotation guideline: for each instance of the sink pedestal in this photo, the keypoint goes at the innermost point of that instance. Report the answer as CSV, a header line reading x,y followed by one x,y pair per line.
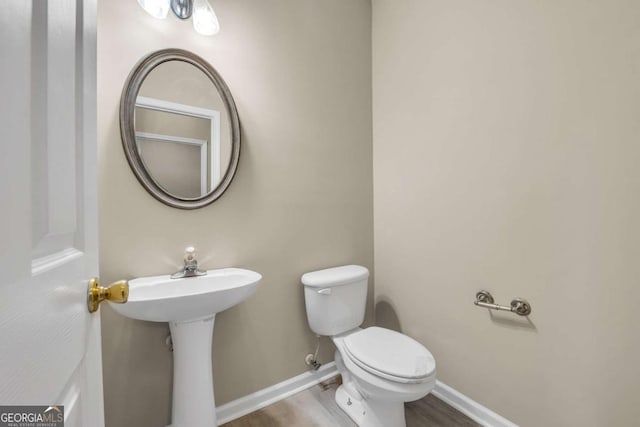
x,y
193,401
190,305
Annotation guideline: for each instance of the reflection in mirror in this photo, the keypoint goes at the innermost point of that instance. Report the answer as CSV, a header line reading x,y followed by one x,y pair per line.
x,y
182,130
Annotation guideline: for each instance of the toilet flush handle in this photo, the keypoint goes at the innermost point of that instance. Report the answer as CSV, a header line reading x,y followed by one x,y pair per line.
x,y
325,291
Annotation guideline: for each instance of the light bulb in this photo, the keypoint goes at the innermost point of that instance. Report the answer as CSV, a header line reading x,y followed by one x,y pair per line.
x,y
156,8
205,20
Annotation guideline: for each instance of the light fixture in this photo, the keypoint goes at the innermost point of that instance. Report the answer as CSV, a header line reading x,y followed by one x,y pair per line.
x,y
156,8
205,21
182,8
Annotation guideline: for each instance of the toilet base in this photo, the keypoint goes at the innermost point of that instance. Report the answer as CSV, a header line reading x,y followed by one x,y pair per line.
x,y
370,413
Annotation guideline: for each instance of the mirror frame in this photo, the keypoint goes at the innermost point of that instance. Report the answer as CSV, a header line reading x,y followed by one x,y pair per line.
x,y
127,126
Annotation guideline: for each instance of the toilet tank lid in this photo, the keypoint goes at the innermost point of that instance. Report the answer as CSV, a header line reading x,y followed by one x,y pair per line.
x,y
335,276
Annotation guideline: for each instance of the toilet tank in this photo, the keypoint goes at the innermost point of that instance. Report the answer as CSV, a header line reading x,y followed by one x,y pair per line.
x,y
335,298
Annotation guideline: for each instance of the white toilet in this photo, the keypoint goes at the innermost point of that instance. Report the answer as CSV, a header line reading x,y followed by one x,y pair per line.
x,y
381,369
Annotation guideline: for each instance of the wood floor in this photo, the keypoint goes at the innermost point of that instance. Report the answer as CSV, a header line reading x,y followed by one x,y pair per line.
x,y
316,407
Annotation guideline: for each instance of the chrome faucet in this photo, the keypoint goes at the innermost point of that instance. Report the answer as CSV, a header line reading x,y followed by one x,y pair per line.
x,y
190,268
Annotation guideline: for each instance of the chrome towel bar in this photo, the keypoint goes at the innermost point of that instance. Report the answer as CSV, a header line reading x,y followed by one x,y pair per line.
x,y
518,306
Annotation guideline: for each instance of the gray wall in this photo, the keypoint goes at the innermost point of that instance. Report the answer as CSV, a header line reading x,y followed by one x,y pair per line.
x,y
506,158
301,200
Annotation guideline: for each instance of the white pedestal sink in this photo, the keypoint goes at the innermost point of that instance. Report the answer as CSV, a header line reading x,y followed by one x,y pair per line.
x,y
190,306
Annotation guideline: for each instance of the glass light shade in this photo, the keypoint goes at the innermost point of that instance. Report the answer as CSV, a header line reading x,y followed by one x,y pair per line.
x,y
205,20
156,8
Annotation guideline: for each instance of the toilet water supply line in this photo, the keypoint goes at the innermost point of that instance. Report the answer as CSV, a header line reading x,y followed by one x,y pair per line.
x,y
312,359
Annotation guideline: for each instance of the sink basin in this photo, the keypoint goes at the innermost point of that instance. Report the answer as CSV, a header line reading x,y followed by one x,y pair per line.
x,y
162,299
190,306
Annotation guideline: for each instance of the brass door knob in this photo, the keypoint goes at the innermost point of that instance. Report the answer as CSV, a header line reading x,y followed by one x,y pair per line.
x,y
117,292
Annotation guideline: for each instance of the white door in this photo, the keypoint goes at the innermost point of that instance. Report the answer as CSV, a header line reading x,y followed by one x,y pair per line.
x,y
49,343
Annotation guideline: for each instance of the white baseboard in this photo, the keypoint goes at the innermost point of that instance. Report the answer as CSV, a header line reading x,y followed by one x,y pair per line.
x,y
472,409
265,397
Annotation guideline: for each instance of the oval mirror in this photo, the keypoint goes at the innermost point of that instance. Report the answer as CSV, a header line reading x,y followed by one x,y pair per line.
x,y
180,128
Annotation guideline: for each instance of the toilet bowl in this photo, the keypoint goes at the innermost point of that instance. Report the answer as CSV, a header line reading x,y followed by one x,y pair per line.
x,y
381,369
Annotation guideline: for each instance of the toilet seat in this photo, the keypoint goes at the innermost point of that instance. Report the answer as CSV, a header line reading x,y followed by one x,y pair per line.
x,y
389,355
